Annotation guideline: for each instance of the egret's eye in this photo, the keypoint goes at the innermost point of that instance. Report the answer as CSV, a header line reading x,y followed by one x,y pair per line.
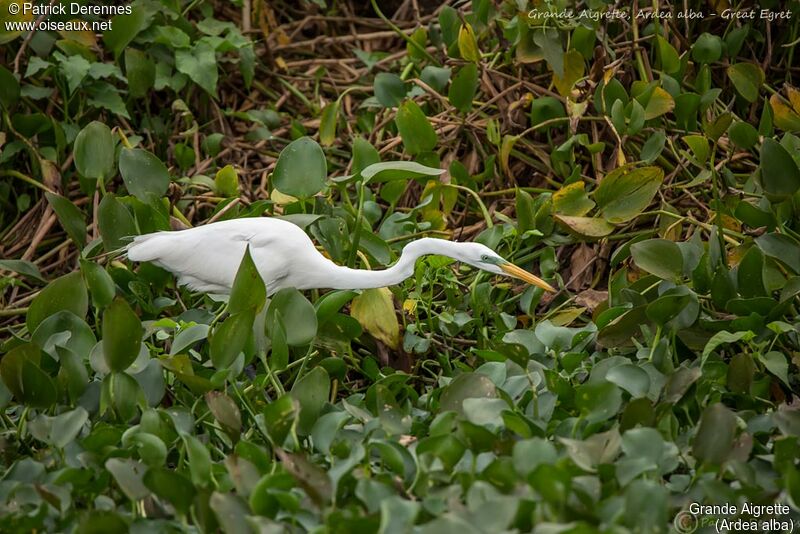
x,y
485,258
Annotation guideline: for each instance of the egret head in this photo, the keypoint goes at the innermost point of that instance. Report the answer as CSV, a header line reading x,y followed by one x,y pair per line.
x,y
486,259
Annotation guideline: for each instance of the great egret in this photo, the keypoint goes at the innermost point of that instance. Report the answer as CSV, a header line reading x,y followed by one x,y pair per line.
x,y
206,258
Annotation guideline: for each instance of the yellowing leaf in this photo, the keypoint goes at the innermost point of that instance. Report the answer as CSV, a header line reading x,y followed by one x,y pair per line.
x,y
281,198
468,44
374,310
84,37
794,98
572,200
591,227
505,152
661,102
784,117
573,71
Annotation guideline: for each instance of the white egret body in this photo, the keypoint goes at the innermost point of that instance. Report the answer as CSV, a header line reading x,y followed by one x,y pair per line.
x,y
206,258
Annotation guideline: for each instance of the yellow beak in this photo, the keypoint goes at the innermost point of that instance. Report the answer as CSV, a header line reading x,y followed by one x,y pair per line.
x,y
522,274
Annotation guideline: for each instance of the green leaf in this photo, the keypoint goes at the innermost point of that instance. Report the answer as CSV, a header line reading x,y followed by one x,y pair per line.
x,y
327,123
750,274
143,173
668,57
390,90
100,284
699,147
122,335
747,78
231,512
94,151
140,70
59,430
115,223
715,434
301,169
397,170
199,460
631,378
660,257
707,48
311,392
462,89
70,217
65,293
776,363
124,28
226,181
598,401
416,131
199,63
297,314
20,371
23,267
249,291
435,77
743,135
128,475
279,417
465,386
780,176
653,147
364,155
9,87
226,412
545,108
230,337
173,487
627,191
667,307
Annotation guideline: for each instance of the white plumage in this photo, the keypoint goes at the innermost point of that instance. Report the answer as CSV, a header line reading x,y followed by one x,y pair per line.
x,y
206,258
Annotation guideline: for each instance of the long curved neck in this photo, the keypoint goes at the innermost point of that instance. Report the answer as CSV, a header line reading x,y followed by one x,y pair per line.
x,y
345,278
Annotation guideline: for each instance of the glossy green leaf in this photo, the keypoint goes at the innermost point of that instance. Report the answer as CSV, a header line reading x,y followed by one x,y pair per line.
x,y
301,169
65,293
627,191
715,434
226,181
94,151
101,285
230,337
780,175
747,78
416,131
115,223
660,257
70,217
390,90
145,176
122,335
311,392
297,313
463,88
173,487
249,291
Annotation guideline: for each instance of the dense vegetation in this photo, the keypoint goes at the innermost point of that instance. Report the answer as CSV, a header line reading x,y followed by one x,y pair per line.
x,y
647,166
